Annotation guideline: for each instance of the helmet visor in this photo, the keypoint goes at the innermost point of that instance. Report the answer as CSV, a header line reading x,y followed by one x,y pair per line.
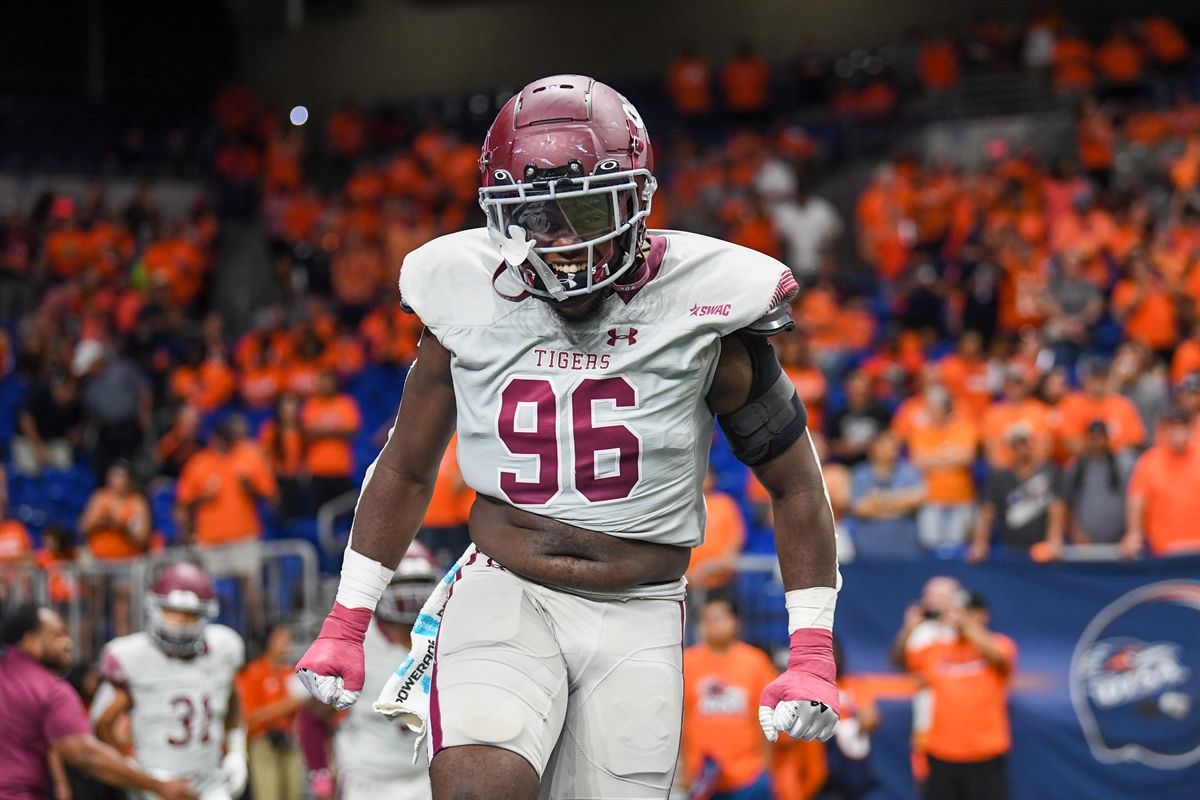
x,y
554,222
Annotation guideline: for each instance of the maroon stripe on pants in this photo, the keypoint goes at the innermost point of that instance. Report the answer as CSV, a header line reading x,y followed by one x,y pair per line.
x,y
435,713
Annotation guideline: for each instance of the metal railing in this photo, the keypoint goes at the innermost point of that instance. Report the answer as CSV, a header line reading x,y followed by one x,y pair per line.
x,y
327,517
100,600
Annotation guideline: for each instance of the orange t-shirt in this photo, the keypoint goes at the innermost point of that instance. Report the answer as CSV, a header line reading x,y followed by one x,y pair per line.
x,y
327,455
1077,410
937,64
391,334
206,386
911,416
967,383
301,376
1001,417
810,385
67,251
1153,322
451,501
1186,359
1169,484
720,712
130,512
746,81
949,485
344,355
225,513
61,585
357,275
179,264
688,80
798,768
262,684
259,386
1072,63
724,533
1120,61
1164,41
287,457
970,714
15,543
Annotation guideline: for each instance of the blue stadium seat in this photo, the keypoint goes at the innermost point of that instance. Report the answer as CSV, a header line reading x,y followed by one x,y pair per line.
x,y
13,391
162,509
760,603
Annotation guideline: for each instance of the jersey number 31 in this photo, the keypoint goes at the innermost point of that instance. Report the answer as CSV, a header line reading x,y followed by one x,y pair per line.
x,y
607,457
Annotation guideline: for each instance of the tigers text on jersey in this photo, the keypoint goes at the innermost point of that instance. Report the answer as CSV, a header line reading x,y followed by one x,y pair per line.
x,y
179,705
601,424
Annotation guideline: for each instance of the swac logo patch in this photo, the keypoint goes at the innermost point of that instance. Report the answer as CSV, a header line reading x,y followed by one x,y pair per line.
x,y
698,310
1135,677
615,336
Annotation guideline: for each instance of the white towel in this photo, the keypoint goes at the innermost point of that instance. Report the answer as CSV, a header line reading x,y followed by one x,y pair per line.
x,y
405,697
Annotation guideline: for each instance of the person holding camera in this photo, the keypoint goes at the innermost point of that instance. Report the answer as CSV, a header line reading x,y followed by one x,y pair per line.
x,y
968,677
923,626
267,690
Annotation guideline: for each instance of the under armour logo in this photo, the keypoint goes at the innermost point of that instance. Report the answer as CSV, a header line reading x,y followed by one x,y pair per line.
x,y
614,336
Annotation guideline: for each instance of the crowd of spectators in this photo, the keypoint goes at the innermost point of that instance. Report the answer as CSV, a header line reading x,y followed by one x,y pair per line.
x,y
919,70
985,353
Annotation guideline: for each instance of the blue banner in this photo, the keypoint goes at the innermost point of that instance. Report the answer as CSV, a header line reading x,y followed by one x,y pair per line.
x,y
1106,702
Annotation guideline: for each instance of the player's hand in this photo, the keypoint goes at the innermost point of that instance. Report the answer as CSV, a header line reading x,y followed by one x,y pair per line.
x,y
236,773
332,669
177,789
803,701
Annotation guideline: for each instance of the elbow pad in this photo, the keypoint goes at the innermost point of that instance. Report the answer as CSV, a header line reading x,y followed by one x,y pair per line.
x,y
773,416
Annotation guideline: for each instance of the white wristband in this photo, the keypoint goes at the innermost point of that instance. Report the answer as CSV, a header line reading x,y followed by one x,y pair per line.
x,y
363,580
811,608
235,741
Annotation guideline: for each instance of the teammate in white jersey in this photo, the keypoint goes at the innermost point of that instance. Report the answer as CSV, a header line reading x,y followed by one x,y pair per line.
x,y
175,679
374,754
582,360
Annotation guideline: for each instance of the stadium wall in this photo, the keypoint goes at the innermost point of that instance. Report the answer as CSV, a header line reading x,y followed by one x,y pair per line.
x,y
400,50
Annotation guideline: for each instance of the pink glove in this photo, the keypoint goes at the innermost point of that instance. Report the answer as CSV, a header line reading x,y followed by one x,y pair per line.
x,y
803,701
332,669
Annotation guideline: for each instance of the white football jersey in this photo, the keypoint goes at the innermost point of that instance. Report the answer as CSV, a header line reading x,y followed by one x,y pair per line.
x,y
367,743
601,424
179,705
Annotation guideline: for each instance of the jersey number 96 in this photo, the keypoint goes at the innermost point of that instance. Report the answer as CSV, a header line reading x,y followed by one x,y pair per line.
x,y
607,457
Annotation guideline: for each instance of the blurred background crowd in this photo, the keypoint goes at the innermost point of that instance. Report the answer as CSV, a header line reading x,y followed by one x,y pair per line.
x,y
998,337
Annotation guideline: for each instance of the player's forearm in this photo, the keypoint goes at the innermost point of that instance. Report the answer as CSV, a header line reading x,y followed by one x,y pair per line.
x,y
805,540
273,711
87,753
389,512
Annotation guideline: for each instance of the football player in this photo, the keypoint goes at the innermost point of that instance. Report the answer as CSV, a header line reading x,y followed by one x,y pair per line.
x,y
372,753
582,360
175,680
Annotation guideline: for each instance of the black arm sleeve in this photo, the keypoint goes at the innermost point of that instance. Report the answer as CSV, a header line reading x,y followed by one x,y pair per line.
x,y
773,416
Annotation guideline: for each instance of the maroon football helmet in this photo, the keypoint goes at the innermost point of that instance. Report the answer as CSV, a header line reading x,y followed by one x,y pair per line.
x,y
181,586
567,185
415,579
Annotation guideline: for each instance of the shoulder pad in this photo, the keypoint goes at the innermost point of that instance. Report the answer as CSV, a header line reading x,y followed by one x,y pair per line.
x,y
447,282
777,320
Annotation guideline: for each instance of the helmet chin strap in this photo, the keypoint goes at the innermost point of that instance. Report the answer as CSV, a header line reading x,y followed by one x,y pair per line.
x,y
517,249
